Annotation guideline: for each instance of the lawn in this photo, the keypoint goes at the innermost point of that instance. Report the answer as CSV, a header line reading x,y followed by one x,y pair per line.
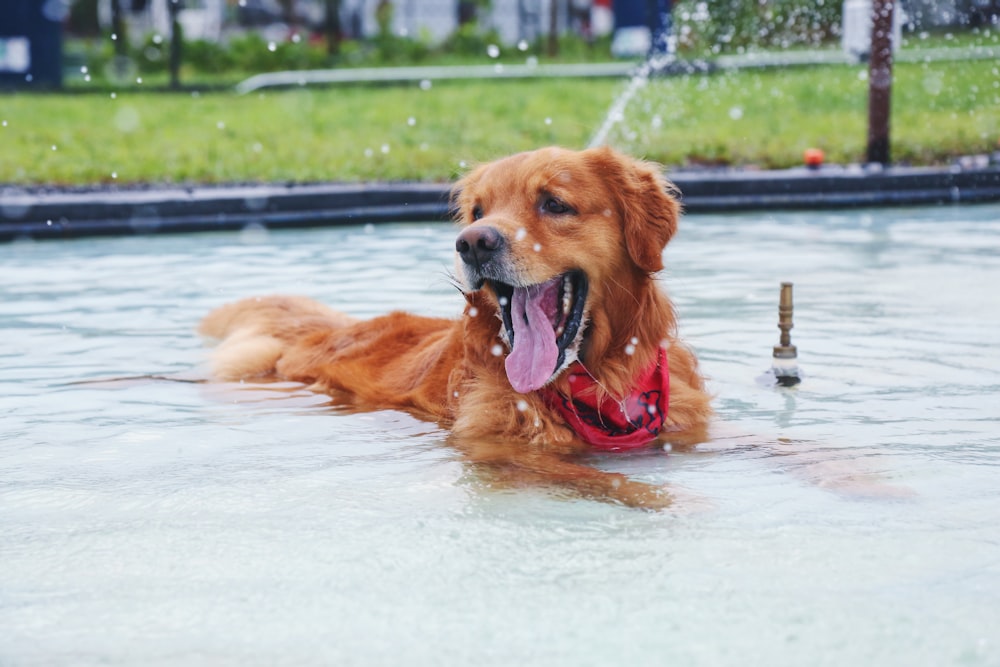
x,y
365,133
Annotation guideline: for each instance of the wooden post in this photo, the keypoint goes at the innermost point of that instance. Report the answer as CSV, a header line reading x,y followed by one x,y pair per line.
x,y
880,81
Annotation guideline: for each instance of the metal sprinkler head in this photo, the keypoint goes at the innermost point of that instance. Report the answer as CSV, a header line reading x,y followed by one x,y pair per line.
x,y
785,365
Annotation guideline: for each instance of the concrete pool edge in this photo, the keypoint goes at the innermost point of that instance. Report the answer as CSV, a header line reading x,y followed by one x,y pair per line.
x,y
48,214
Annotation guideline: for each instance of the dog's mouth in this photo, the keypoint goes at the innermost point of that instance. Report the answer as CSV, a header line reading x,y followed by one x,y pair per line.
x,y
543,324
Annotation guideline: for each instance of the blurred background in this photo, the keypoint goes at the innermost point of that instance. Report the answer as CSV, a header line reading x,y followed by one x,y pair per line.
x,y
47,41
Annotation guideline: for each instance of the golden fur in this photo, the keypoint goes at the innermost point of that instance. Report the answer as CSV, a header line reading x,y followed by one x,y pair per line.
x,y
620,215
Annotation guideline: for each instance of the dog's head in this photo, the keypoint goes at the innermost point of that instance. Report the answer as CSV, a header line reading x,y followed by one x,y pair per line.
x,y
563,244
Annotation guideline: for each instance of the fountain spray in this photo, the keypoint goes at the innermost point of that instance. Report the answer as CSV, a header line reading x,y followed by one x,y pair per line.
x,y
785,365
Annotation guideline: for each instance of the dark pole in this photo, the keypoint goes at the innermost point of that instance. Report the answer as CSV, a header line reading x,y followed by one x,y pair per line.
x,y
118,28
880,81
332,27
174,6
554,28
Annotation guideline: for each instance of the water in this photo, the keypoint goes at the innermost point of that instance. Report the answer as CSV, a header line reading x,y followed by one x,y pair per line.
x,y
155,522
637,81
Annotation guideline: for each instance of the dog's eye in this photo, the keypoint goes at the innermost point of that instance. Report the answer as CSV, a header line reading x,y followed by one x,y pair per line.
x,y
555,207
477,212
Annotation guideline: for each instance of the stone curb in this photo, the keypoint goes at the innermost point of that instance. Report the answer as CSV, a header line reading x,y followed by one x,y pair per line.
x,y
66,214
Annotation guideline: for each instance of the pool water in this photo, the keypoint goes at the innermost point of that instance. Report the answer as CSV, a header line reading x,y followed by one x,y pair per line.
x,y
854,520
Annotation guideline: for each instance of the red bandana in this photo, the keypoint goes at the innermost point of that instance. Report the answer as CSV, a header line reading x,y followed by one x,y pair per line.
x,y
633,422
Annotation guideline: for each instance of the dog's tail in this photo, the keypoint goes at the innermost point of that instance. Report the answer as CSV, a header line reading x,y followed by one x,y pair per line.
x,y
256,332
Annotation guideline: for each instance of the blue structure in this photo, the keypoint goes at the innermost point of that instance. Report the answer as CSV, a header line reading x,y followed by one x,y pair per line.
x,y
31,43
653,15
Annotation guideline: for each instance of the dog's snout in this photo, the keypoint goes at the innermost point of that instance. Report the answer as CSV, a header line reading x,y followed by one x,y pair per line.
x,y
478,245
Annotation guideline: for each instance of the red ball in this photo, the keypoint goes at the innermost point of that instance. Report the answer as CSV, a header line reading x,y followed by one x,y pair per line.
x,y
813,157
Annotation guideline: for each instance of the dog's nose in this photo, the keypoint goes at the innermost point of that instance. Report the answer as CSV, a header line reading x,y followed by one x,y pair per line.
x,y
478,245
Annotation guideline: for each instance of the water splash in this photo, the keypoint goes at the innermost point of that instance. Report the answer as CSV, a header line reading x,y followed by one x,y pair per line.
x,y
638,80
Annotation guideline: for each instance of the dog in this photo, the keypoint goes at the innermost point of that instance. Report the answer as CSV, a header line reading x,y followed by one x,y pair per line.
x,y
567,344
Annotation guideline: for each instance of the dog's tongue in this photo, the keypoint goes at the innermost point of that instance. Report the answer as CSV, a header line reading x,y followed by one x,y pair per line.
x,y
532,359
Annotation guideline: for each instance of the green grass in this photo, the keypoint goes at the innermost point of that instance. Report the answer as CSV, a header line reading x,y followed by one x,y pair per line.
x,y
360,133
769,118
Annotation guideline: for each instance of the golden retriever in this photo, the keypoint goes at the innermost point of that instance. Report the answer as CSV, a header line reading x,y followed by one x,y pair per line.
x,y
566,344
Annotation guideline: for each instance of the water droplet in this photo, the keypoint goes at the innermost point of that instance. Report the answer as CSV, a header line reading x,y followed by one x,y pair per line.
x,y
651,409
630,350
54,147
138,79
502,300
667,447
537,247
455,394
520,234
4,123
473,311
257,147
493,51
272,47
426,84
114,96
296,38
496,350
548,121
83,70
385,149
369,228
127,119
411,121
634,340
369,152
522,45
736,113
221,125
462,164
522,405
114,174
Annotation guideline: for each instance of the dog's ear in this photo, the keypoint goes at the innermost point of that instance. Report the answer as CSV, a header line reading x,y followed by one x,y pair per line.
x,y
456,198
648,207
460,197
